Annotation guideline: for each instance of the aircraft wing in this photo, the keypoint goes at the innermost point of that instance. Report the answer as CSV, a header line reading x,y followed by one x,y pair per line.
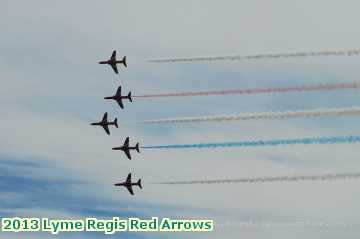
x,y
129,188
115,68
126,143
128,179
120,103
113,55
127,152
106,128
104,119
118,92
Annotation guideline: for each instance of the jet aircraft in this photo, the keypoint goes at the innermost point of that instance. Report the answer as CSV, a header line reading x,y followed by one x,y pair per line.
x,y
128,184
126,148
112,62
119,98
105,124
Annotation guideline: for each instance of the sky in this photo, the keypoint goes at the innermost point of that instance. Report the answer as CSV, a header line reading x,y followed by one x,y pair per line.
x,y
54,164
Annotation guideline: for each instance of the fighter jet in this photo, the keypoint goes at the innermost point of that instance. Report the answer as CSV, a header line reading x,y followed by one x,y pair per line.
x,y
128,184
105,124
119,98
112,62
126,148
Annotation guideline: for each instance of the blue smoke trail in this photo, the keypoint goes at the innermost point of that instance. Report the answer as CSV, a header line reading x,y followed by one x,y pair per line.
x,y
278,142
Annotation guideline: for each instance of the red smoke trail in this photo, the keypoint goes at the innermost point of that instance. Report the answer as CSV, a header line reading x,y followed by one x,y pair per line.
x,y
303,88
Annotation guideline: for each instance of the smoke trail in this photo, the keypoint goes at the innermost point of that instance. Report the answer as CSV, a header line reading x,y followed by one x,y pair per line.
x,y
320,87
324,177
260,116
276,142
351,52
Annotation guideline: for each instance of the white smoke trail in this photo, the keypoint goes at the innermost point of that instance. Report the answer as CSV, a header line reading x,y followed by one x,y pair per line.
x,y
350,52
301,88
324,177
260,116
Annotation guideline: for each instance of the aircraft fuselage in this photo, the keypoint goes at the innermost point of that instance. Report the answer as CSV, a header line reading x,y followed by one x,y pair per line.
x,y
104,62
110,62
116,97
126,184
120,148
103,123
123,148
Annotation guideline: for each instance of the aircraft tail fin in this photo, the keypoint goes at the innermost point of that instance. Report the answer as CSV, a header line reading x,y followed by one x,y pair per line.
x,y
124,61
129,96
115,123
137,147
139,183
